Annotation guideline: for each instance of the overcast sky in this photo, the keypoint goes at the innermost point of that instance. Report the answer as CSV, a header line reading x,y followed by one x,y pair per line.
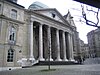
x,y
63,6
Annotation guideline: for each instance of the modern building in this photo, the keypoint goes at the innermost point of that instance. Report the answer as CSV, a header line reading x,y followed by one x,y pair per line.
x,y
94,43
30,35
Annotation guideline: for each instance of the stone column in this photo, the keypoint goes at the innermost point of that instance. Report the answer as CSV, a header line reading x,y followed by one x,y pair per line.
x,y
58,46
64,46
40,43
70,44
49,43
31,42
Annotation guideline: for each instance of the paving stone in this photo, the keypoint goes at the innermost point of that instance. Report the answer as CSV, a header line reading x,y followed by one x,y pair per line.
x,y
60,70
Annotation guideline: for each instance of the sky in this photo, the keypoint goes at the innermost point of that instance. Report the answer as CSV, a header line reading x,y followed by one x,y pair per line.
x,y
63,6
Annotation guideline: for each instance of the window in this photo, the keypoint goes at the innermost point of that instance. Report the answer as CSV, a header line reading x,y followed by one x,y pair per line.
x,y
14,14
12,34
10,55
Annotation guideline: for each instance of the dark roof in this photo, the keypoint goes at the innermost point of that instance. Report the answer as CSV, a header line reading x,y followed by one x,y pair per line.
x,y
15,3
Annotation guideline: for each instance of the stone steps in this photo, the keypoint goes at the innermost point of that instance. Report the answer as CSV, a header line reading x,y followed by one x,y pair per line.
x,y
56,63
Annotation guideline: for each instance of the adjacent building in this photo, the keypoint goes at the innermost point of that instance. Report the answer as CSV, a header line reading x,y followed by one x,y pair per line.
x,y
94,43
84,50
29,35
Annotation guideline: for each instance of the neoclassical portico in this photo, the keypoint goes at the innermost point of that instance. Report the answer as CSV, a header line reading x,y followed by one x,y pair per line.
x,y
67,44
35,35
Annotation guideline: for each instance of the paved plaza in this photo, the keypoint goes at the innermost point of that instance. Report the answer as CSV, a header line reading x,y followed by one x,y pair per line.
x,y
60,70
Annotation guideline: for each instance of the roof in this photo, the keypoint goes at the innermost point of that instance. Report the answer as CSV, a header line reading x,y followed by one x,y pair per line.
x,y
37,5
46,9
15,3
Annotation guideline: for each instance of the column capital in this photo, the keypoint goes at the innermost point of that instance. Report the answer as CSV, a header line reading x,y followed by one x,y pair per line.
x,y
48,26
31,21
57,29
41,24
70,33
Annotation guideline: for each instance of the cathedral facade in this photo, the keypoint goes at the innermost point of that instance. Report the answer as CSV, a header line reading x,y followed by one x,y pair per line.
x,y
35,34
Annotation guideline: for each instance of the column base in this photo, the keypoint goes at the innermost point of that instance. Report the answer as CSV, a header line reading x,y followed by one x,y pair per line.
x,y
58,59
71,60
48,59
24,62
41,59
31,59
65,59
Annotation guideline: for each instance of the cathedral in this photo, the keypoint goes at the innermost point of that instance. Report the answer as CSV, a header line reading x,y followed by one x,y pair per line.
x,y
38,33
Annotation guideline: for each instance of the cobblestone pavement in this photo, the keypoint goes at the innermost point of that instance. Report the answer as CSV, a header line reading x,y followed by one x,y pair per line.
x,y
60,70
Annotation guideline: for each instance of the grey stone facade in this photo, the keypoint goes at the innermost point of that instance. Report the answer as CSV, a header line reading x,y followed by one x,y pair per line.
x,y
27,35
84,50
94,43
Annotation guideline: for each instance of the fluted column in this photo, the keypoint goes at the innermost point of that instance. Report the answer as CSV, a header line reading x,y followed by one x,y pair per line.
x,y
58,46
31,42
40,43
64,46
70,42
49,43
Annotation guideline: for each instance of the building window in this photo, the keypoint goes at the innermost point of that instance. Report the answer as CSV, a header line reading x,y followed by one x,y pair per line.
x,y
14,14
12,34
10,55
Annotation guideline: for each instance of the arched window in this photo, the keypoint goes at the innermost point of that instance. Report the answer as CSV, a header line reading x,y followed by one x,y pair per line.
x,y
10,55
12,34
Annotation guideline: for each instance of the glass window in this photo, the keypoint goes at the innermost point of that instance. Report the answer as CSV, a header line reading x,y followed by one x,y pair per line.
x,y
14,14
10,55
12,34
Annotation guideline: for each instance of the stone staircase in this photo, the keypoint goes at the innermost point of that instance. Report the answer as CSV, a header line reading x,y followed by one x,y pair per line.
x,y
24,62
92,61
56,63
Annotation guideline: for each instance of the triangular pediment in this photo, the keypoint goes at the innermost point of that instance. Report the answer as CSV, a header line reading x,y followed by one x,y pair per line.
x,y
51,13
